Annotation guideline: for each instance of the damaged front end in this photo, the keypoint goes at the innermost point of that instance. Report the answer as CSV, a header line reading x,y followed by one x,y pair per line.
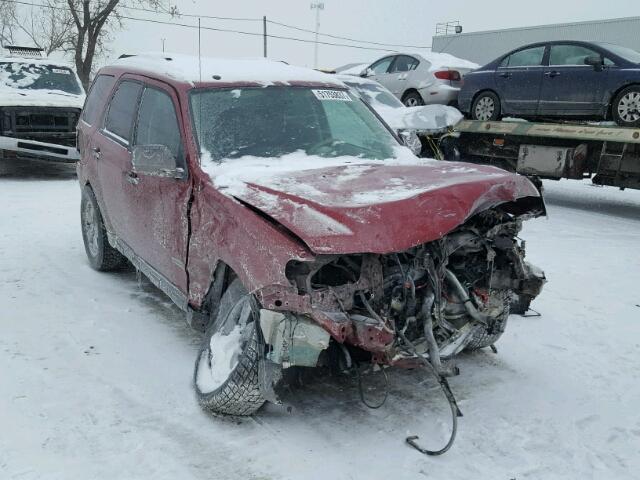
x,y
441,297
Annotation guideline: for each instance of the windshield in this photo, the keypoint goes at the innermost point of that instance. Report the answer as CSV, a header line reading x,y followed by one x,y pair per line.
x,y
375,95
29,76
275,121
628,54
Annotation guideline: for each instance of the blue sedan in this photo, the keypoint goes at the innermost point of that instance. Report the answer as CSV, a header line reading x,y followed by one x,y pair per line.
x,y
568,79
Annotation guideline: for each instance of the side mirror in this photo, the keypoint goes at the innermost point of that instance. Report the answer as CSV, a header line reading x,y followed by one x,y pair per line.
x,y
595,61
155,161
367,72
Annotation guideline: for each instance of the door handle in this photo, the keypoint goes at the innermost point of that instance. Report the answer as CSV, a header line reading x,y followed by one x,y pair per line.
x,y
505,75
552,73
96,152
133,178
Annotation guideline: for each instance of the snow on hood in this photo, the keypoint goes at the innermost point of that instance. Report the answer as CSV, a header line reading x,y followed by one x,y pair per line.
x,y
11,97
424,119
354,205
254,70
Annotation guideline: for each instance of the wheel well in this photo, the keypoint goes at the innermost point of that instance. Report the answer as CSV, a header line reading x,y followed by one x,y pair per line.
x,y
408,91
222,277
609,112
484,91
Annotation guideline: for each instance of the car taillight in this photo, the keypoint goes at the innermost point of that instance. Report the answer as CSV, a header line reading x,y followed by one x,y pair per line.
x,y
451,75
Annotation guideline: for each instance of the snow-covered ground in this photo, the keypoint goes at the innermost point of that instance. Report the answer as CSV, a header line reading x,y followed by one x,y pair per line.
x,y
95,371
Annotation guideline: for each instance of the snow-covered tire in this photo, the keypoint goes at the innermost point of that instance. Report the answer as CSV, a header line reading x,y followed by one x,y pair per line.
x,y
101,255
239,393
487,336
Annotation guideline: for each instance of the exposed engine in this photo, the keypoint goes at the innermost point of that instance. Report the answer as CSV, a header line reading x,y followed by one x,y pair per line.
x,y
442,297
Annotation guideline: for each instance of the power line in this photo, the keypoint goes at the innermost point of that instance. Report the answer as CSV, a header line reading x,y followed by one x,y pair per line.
x,y
345,38
177,13
215,29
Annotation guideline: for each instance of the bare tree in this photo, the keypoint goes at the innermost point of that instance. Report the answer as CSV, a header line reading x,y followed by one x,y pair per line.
x,y
81,28
48,26
7,13
93,21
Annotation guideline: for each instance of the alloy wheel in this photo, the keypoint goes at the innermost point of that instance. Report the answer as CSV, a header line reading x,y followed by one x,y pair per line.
x,y
411,102
629,107
485,108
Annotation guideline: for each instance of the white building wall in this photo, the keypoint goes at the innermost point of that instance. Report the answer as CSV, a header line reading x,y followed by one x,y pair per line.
x,y
482,47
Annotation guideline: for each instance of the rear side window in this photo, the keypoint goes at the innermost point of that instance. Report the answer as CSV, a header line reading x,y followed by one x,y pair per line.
x,y
404,63
122,110
99,90
157,121
381,66
529,57
570,54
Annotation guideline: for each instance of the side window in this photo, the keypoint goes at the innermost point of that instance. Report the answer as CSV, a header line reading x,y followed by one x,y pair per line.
x,y
157,121
381,66
529,57
100,88
608,62
404,63
122,109
570,54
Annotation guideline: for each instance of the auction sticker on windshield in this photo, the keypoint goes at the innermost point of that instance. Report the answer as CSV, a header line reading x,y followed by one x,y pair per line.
x,y
337,95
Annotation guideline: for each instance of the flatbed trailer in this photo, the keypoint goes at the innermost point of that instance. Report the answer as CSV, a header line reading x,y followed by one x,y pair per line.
x,y
608,155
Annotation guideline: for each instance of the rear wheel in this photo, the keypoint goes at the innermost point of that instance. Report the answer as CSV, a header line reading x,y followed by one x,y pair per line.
x,y
626,107
226,372
101,255
412,99
486,107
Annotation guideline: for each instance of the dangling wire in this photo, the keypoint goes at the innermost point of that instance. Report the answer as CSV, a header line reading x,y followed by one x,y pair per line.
x,y
444,385
361,389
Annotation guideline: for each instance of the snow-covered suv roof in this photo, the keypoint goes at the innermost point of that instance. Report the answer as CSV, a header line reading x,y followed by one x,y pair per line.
x,y
190,69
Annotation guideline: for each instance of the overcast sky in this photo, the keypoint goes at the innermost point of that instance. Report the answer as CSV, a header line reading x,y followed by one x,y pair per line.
x,y
398,22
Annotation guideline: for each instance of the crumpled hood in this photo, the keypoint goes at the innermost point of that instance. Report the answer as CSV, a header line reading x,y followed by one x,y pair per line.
x,y
377,207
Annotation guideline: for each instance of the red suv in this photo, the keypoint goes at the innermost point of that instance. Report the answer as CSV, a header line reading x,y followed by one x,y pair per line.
x,y
287,220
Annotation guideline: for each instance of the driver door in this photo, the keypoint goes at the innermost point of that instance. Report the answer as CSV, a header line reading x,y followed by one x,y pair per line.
x,y
158,204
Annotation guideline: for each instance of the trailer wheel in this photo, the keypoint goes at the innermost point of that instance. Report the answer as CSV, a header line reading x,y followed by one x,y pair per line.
x,y
626,107
486,107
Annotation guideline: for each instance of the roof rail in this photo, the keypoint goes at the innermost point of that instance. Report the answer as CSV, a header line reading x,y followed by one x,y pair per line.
x,y
26,52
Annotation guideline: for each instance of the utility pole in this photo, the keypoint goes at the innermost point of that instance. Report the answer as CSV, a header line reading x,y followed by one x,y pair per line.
x,y
317,6
264,34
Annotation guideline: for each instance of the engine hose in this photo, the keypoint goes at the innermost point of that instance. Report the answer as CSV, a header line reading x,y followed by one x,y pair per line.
x,y
446,389
464,296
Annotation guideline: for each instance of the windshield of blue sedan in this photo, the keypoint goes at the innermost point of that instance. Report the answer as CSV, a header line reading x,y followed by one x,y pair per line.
x,y
275,121
31,76
628,54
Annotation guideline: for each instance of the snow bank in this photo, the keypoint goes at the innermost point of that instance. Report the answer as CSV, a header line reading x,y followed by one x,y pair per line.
x,y
255,70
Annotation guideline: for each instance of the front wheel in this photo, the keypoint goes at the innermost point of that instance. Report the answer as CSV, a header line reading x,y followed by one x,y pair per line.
x,y
498,309
486,107
226,372
626,107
